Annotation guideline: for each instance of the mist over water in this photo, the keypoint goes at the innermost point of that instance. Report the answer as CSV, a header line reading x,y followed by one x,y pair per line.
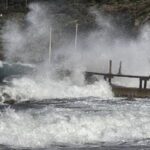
x,y
29,44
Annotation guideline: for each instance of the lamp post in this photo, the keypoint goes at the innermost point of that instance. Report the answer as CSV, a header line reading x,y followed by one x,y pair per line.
x,y
76,36
50,45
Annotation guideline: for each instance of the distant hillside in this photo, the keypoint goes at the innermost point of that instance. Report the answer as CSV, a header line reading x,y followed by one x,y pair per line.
x,y
134,12
138,9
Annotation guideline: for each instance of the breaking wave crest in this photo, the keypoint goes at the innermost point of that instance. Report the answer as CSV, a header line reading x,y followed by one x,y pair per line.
x,y
27,88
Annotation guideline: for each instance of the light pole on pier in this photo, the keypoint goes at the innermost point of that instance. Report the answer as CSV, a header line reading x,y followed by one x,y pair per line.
x,y
50,45
76,36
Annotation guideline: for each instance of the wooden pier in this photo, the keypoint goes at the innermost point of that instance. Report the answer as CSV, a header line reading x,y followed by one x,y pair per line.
x,y
142,91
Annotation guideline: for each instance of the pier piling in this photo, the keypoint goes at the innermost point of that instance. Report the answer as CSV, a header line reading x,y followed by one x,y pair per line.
x,y
120,68
110,71
145,84
110,67
140,85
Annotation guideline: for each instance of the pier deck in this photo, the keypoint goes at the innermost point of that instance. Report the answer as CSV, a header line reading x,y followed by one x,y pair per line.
x,y
119,91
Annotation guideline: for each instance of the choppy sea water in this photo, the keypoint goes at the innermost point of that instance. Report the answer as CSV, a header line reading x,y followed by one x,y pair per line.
x,y
78,123
54,114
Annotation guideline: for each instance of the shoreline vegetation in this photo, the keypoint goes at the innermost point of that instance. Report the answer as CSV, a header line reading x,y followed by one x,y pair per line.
x,y
131,14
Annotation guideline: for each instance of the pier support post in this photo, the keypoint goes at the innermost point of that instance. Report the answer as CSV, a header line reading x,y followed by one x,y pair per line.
x,y
109,80
120,68
145,84
110,67
110,71
140,85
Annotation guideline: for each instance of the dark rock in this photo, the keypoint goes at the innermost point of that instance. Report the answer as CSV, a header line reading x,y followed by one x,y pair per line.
x,y
10,102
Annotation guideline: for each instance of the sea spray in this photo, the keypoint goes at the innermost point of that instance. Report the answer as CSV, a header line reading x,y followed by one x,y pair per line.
x,y
93,53
28,88
29,42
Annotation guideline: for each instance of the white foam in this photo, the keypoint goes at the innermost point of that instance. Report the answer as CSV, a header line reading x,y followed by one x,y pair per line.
x,y
29,88
71,127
